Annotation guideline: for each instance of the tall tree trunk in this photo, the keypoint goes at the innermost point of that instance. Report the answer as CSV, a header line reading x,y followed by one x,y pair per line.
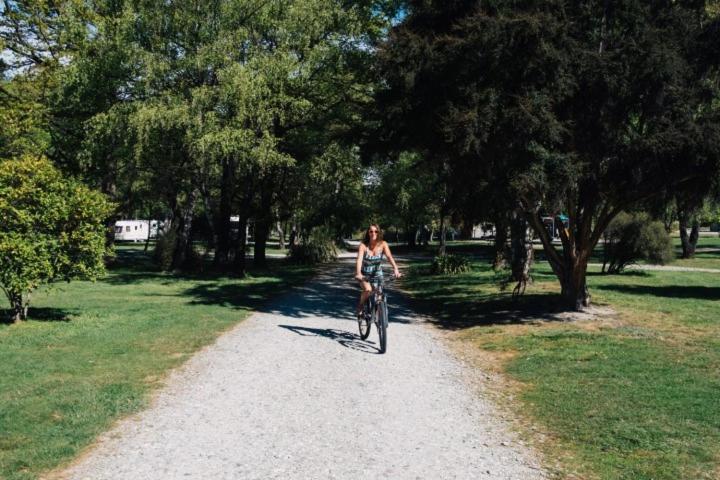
x,y
222,220
410,236
689,242
443,231
260,230
261,227
466,230
18,311
500,253
147,240
573,286
521,252
578,242
239,262
183,241
281,235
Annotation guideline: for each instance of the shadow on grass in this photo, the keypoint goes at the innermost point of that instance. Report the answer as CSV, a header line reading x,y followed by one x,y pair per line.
x,y
134,266
670,291
42,314
488,310
626,273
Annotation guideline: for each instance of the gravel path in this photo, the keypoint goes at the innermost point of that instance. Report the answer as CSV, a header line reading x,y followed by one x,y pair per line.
x,y
664,268
292,392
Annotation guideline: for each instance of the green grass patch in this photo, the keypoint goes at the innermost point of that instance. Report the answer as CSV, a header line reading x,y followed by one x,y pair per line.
x,y
637,397
92,352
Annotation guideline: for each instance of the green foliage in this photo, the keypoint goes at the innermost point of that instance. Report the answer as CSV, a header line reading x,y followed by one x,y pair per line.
x,y
319,247
449,264
634,236
582,108
407,193
333,193
213,109
709,214
23,119
51,229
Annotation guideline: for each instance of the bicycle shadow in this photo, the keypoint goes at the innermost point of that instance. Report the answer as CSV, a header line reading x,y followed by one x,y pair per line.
x,y
346,339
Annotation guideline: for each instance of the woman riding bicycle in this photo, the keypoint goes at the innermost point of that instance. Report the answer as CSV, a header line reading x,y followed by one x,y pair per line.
x,y
368,267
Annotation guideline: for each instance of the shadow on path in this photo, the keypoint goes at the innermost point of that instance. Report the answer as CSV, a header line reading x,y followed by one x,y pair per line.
x,y
333,294
346,339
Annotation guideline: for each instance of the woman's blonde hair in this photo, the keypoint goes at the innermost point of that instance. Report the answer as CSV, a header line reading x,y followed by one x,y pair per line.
x,y
366,238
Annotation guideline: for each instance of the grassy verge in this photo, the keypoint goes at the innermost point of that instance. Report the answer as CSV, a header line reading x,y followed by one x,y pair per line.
x,y
92,352
702,259
708,255
632,396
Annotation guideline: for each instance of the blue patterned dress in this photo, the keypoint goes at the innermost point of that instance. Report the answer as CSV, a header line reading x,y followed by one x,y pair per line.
x,y
372,267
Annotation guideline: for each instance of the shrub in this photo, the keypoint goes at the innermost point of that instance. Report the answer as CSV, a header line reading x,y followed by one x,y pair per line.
x,y
318,247
449,265
633,237
51,229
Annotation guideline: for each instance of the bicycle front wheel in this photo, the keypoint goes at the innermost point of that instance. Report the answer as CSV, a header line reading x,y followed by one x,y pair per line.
x,y
382,326
364,323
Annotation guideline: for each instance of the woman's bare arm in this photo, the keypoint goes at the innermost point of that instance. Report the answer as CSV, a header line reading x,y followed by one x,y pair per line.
x,y
358,261
386,249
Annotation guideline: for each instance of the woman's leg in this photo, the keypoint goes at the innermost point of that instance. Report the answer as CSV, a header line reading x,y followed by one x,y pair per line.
x,y
366,290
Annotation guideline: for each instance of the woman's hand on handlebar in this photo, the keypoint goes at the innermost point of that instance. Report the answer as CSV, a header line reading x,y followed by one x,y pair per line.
x,y
359,277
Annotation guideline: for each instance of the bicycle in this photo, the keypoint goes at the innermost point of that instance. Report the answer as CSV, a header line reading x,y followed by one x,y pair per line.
x,y
375,311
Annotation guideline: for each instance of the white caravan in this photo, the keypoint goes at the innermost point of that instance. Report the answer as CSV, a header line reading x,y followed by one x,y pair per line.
x,y
135,230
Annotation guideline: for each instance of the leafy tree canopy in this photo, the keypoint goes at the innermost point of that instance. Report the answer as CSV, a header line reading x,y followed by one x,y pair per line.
x,y
584,108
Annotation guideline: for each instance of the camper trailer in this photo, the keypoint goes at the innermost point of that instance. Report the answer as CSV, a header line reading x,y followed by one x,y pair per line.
x,y
552,225
135,230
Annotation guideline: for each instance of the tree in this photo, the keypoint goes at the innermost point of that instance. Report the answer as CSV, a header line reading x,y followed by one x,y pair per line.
x,y
405,194
588,108
51,229
215,108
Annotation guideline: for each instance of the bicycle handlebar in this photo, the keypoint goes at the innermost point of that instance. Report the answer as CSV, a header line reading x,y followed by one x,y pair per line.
x,y
385,279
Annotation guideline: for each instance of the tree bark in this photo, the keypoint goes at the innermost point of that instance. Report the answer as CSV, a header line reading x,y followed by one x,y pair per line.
x,y
19,305
578,242
281,235
521,253
239,263
262,228
183,242
689,242
466,231
500,245
573,287
147,240
443,243
222,220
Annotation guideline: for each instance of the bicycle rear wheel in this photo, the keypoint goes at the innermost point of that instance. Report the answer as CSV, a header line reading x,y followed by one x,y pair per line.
x,y
382,321
364,322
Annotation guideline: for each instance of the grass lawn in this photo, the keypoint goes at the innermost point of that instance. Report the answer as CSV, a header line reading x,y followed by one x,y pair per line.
x,y
708,259
92,352
632,396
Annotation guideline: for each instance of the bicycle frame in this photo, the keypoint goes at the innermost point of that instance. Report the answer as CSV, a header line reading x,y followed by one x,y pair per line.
x,y
375,311
378,297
